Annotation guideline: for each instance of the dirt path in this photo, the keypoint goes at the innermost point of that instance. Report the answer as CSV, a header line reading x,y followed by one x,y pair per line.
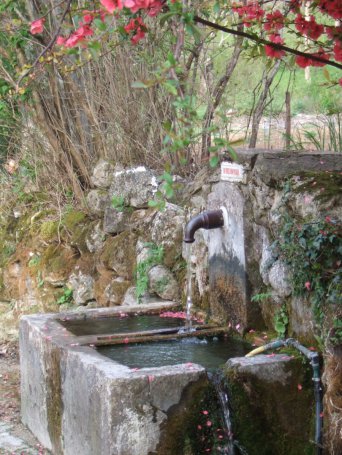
x,y
15,438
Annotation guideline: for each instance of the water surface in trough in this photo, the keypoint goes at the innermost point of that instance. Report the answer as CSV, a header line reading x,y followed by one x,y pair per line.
x,y
210,352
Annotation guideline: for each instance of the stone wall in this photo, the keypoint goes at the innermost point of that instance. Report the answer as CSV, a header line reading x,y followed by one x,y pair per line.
x,y
98,252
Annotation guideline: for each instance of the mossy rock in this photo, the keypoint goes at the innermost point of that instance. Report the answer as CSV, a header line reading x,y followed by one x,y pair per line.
x,y
325,186
75,229
196,421
119,254
49,230
57,260
72,219
272,417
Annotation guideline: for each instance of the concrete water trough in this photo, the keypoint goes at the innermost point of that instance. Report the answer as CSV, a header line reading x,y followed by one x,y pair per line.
x,y
77,401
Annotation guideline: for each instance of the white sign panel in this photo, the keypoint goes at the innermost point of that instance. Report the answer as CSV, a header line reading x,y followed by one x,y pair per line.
x,y
232,172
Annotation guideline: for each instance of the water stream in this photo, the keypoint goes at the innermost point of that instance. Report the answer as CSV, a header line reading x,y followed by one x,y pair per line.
x,y
217,380
188,321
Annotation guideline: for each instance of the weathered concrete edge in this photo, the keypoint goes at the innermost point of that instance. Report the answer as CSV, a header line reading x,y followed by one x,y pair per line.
x,y
93,390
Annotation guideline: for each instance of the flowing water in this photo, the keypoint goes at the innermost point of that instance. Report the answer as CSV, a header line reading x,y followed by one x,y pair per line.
x,y
188,322
218,382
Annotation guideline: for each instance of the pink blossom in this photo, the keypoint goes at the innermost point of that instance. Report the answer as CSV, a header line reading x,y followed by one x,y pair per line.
x,y
111,5
37,26
60,40
308,286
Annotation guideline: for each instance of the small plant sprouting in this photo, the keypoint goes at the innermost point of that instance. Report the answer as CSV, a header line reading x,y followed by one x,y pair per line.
x,y
281,320
155,256
261,297
118,202
66,298
40,280
34,261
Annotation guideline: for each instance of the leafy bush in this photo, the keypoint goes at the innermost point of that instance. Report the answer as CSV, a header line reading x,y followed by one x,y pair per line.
x,y
313,252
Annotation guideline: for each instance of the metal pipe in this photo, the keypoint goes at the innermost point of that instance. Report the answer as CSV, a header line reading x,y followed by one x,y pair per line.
x,y
209,219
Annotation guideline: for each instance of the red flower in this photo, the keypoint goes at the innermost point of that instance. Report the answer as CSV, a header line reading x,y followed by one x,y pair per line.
x,y
60,40
78,36
37,26
338,51
138,27
303,62
308,28
274,21
331,7
273,52
308,285
111,5
153,7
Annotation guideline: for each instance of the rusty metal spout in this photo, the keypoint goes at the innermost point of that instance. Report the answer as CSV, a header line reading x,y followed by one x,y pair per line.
x,y
209,219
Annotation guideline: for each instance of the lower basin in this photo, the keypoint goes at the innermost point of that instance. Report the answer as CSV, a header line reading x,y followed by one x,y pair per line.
x,y
82,395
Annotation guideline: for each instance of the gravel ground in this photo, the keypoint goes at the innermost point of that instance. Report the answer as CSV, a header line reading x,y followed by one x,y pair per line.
x,y
15,438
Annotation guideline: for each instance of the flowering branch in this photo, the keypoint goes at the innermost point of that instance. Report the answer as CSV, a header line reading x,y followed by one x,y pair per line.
x,y
258,40
48,46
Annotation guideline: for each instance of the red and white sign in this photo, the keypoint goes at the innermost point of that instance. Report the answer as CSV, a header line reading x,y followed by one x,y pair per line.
x,y
232,172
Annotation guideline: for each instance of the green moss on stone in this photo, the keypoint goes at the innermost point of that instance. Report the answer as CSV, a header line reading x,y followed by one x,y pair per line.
x,y
196,421
72,219
48,230
271,418
324,185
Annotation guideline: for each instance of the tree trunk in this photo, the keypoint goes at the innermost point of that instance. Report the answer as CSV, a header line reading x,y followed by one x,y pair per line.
x,y
217,96
261,104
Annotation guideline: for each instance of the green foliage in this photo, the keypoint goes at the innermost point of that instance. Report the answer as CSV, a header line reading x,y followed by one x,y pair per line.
x,y
325,134
34,261
118,202
336,334
8,249
281,321
40,280
66,298
155,256
313,252
161,284
261,297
